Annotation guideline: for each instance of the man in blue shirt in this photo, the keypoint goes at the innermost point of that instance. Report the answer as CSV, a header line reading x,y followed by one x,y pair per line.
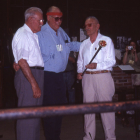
x,y
55,47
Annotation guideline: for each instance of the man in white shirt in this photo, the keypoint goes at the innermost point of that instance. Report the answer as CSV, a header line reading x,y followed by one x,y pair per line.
x,y
97,82
29,78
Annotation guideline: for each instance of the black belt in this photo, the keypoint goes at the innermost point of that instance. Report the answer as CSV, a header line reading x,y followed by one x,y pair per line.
x,y
39,68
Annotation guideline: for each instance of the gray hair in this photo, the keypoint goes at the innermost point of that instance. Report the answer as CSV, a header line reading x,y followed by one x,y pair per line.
x,y
31,12
94,18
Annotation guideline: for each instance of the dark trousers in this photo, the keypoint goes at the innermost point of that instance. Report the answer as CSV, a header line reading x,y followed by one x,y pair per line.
x,y
54,94
69,78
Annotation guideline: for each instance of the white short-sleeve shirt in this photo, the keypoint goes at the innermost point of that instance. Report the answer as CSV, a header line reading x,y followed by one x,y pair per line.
x,y
25,46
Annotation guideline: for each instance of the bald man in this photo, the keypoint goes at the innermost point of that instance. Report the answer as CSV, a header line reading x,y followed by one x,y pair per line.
x,y
97,82
55,47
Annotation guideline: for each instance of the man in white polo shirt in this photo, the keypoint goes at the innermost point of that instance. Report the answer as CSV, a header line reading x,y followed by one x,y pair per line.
x,y
29,78
97,82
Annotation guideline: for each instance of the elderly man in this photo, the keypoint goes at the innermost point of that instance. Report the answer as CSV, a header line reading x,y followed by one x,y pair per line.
x,y
29,78
97,83
55,47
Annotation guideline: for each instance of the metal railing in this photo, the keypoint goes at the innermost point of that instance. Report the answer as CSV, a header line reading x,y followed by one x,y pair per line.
x,y
35,112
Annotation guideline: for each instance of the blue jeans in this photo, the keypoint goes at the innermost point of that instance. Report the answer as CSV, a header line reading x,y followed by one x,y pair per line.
x,y
69,78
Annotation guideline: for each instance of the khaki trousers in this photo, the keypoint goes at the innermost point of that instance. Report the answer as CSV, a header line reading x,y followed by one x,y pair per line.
x,y
98,88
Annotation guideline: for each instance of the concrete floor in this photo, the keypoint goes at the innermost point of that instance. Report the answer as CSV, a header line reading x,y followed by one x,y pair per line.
x,y
72,129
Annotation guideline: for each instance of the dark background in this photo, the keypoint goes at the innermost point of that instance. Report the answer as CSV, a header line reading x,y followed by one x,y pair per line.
x,y
116,17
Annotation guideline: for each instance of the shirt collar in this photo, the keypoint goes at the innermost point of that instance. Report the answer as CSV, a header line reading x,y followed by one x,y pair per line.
x,y
51,30
27,28
97,38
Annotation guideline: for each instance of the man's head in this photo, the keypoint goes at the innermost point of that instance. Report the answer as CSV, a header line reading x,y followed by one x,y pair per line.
x,y
92,25
54,17
34,18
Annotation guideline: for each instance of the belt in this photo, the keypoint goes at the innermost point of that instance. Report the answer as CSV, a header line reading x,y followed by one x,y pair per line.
x,y
39,68
97,72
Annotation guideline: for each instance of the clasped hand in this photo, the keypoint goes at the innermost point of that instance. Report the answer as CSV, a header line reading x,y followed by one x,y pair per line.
x,y
91,66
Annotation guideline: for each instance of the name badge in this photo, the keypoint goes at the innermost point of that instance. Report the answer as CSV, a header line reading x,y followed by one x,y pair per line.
x,y
59,47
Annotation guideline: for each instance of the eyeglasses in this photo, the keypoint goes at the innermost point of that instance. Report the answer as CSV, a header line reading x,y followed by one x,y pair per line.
x,y
88,25
57,18
40,20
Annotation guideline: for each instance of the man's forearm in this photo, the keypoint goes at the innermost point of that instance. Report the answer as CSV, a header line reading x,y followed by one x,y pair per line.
x,y
27,72
71,59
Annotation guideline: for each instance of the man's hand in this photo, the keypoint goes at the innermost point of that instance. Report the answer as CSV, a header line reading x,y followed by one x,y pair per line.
x,y
79,76
36,91
16,66
72,59
91,66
